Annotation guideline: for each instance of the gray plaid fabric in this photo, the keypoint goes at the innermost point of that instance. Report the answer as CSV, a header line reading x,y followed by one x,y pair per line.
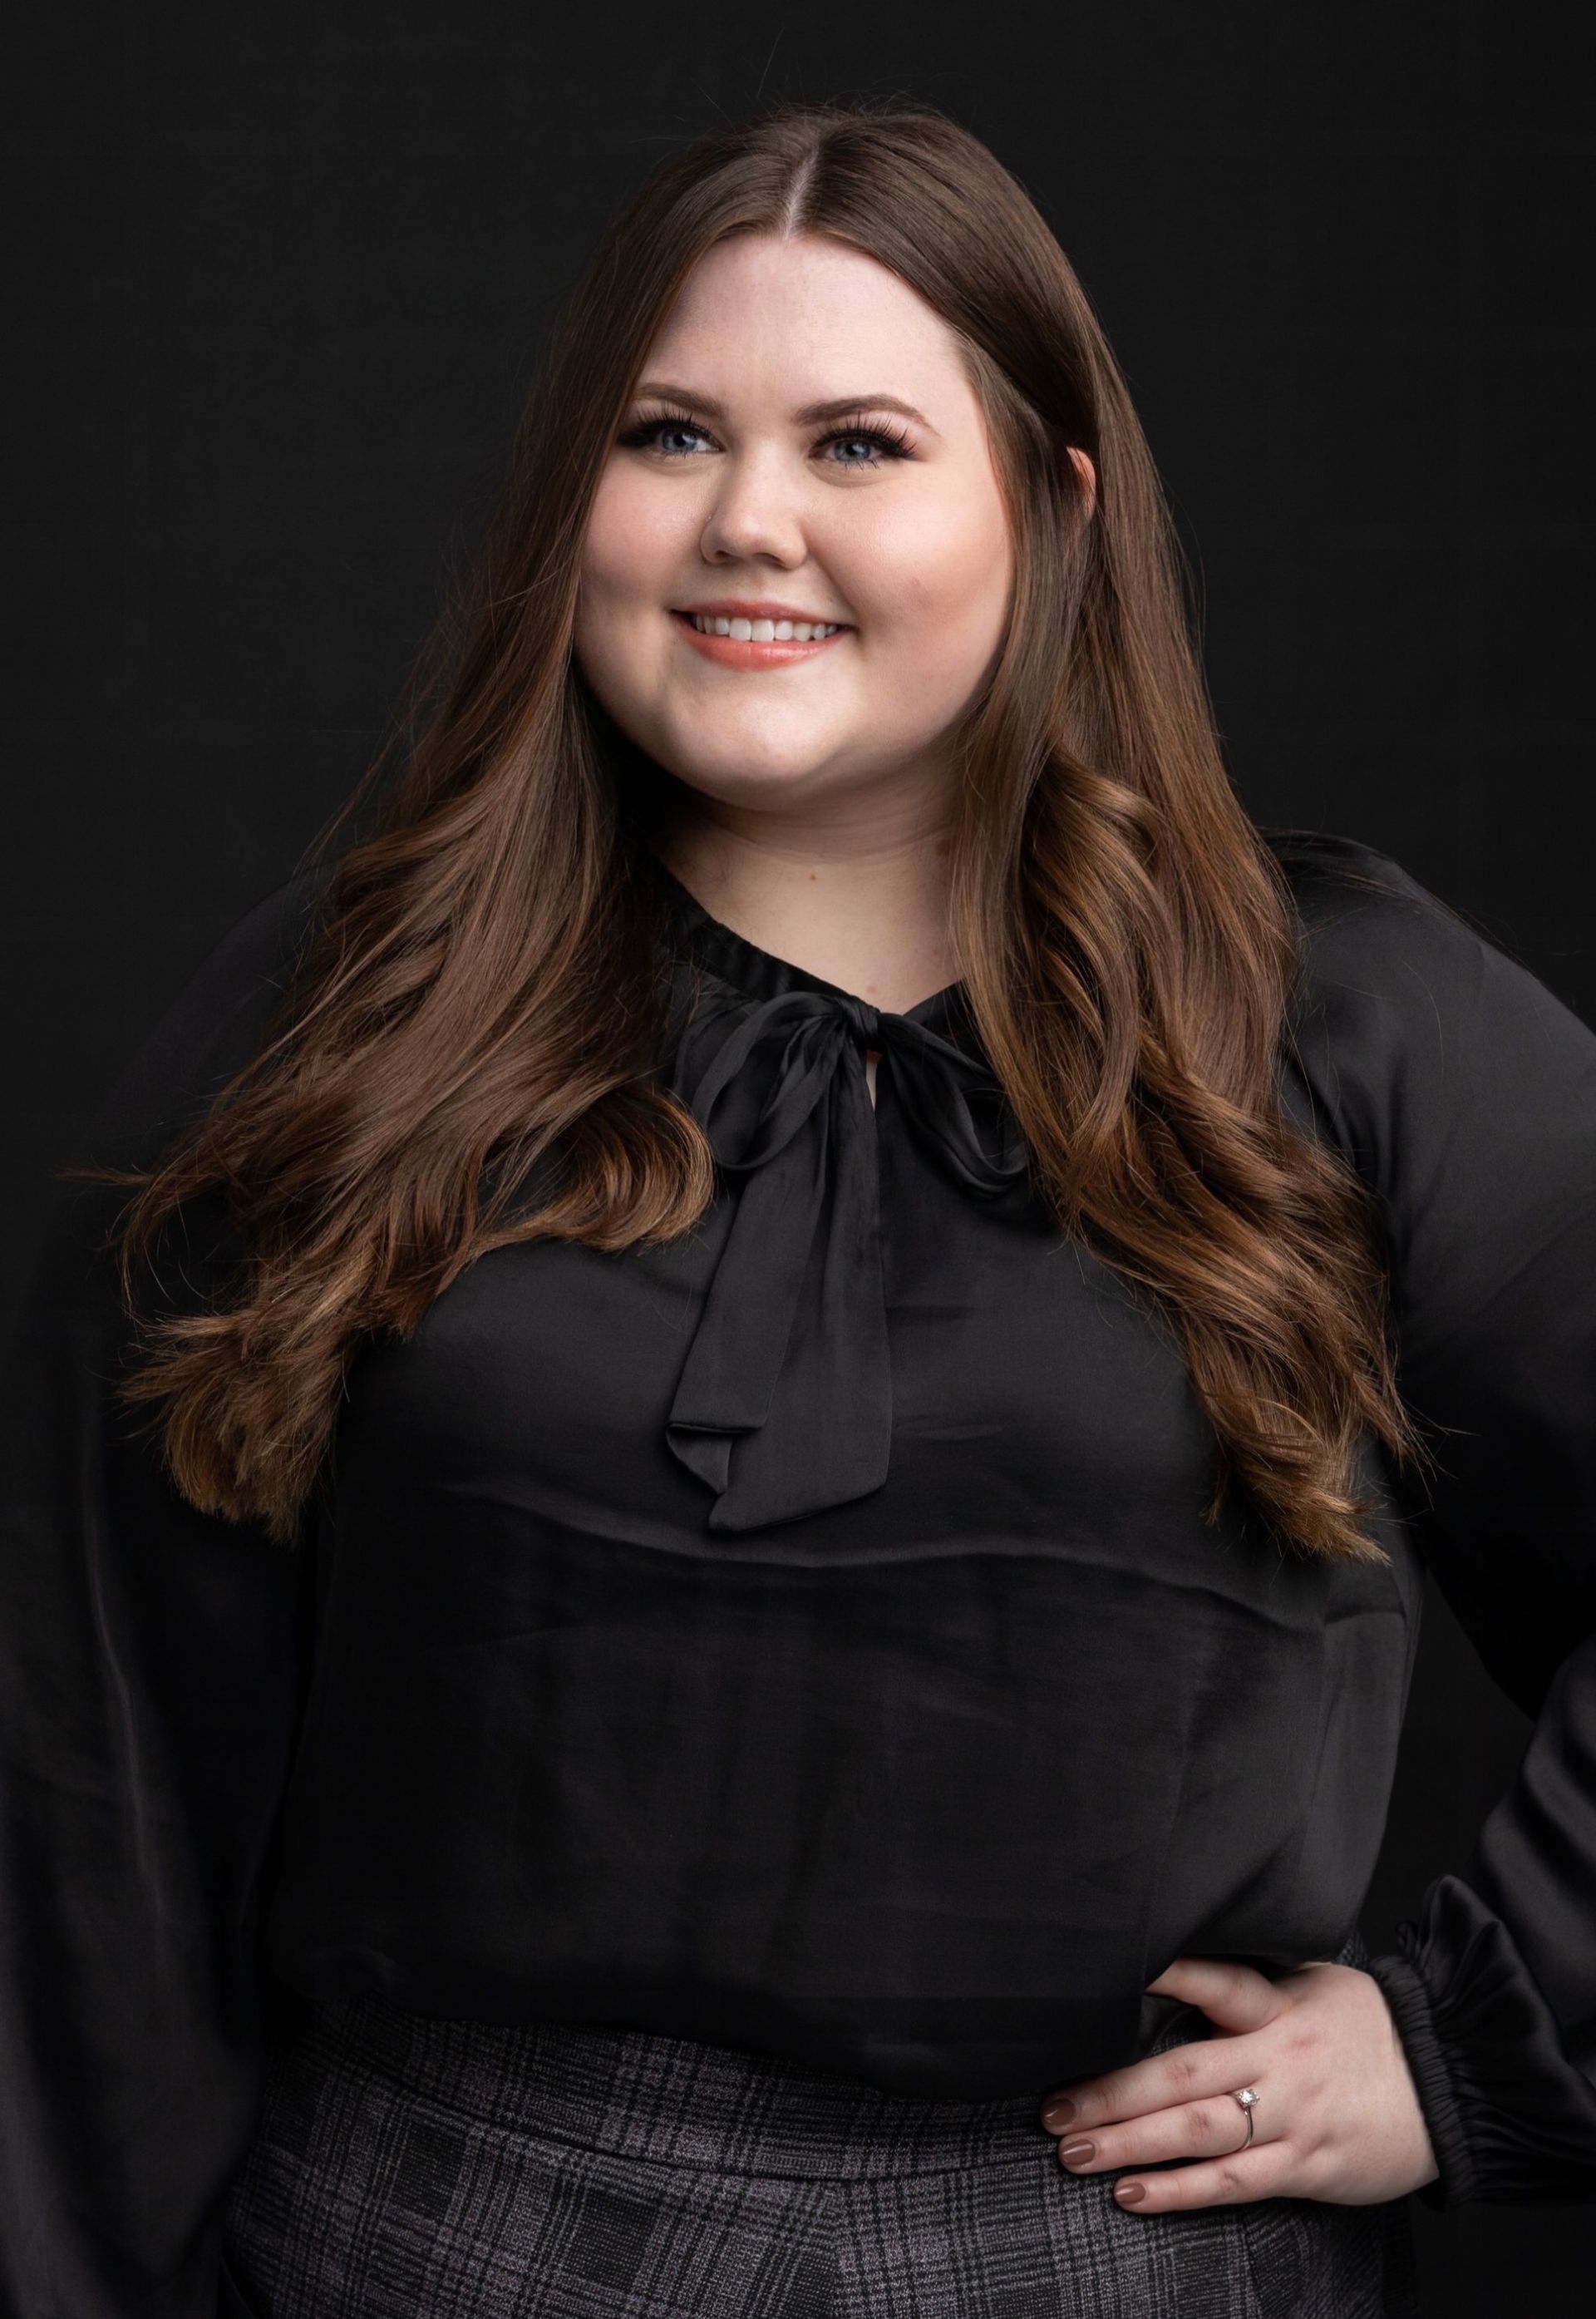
x,y
463,2170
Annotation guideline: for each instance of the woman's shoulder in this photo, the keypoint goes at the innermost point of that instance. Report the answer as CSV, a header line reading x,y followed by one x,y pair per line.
x,y
1373,940
206,1033
211,1027
1349,891
1408,1020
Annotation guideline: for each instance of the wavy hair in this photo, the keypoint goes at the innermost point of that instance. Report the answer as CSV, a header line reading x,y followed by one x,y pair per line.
x,y
479,992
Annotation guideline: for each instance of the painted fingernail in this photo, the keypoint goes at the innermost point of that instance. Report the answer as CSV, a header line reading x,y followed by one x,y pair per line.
x,y
1076,2153
1058,2114
1128,2194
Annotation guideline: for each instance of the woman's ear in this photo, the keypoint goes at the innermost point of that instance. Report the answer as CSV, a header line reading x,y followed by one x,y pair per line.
x,y
1088,476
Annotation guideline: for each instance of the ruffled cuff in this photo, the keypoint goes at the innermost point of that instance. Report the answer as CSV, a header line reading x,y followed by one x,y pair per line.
x,y
1511,2118
1409,2000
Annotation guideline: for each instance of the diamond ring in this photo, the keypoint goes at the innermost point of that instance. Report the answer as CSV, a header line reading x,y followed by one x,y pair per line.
x,y
1247,2097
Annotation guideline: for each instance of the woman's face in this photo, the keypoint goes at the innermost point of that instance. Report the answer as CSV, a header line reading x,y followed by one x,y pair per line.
x,y
726,488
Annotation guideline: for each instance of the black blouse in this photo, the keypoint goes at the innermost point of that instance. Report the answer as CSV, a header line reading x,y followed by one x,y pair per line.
x,y
805,1635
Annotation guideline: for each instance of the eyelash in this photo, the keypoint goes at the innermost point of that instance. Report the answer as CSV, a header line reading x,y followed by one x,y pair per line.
x,y
891,439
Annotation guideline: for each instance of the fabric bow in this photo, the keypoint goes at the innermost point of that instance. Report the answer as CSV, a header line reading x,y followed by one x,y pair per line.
x,y
784,1404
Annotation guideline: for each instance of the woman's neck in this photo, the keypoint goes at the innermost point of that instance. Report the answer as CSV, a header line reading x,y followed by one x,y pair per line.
x,y
867,911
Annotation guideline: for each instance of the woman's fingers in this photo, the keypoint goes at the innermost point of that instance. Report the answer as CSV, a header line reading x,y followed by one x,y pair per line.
x,y
1234,1996
1338,2115
1264,2172
1241,2001
1187,2074
1199,2129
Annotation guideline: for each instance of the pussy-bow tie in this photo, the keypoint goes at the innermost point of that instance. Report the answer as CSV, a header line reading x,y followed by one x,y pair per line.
x,y
784,1404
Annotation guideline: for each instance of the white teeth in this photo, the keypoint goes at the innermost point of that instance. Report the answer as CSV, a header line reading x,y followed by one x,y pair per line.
x,y
764,632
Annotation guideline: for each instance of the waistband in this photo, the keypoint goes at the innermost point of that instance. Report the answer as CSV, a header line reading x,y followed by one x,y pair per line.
x,y
640,2093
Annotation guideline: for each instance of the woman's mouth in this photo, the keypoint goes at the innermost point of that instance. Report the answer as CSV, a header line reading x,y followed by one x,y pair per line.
x,y
757,643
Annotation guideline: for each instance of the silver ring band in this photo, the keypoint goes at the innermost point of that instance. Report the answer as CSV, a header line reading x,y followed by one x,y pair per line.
x,y
1248,2097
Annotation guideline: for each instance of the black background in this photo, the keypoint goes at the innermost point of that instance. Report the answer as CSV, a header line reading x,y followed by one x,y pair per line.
x,y
279,280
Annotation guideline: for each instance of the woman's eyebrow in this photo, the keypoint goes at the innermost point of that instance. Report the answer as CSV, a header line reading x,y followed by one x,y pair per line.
x,y
839,406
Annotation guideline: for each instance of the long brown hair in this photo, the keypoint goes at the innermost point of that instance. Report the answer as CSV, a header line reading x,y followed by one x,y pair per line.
x,y
480,991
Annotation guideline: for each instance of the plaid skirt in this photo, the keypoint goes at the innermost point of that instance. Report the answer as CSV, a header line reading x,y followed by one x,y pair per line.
x,y
411,2168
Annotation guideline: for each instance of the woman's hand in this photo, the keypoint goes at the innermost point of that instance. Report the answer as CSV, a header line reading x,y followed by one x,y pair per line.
x,y
1337,2117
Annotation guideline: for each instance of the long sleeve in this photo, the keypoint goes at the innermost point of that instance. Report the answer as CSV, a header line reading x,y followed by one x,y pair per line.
x,y
1465,1092
151,1669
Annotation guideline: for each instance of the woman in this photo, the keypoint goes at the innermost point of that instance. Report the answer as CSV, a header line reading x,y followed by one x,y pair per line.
x,y
728,1635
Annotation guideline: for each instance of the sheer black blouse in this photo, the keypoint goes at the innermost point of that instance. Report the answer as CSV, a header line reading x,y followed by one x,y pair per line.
x,y
805,1635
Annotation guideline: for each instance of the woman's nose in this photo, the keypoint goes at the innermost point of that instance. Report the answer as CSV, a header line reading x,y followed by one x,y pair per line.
x,y
755,512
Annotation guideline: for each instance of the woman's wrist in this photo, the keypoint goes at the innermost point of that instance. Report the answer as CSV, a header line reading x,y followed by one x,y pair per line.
x,y
1456,2179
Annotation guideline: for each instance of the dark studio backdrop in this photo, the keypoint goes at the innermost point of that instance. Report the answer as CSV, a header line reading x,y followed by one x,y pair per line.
x,y
280,276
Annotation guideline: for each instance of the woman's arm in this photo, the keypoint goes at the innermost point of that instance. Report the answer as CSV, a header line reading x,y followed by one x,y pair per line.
x,y
152,1665
1465,1095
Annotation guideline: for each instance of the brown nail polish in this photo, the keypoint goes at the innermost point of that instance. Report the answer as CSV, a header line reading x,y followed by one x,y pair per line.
x,y
1057,2114
1076,2153
1128,2194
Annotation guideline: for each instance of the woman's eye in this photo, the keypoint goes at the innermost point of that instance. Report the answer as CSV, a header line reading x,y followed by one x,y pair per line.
x,y
646,435
882,443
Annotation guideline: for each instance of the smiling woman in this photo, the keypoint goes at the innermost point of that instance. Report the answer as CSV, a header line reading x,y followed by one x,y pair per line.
x,y
880,507
636,1684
